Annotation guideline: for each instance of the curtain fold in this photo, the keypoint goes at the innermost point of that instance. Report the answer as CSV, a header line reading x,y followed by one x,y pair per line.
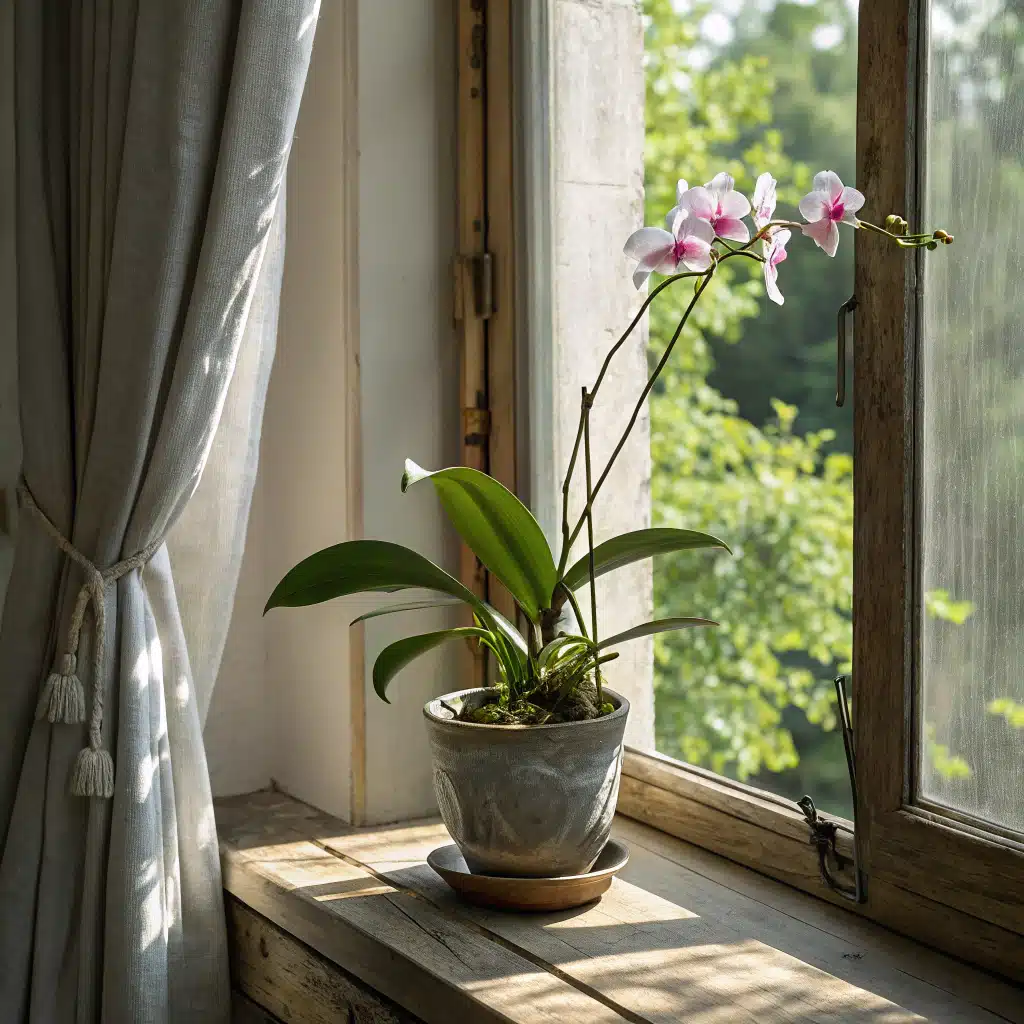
x,y
151,145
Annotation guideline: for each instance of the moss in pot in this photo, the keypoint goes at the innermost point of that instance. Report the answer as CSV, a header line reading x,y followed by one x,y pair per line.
x,y
526,772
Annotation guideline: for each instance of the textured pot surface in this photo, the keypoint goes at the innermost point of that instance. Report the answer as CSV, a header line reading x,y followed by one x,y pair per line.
x,y
529,800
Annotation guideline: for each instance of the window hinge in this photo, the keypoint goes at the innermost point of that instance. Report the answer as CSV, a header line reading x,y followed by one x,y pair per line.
x,y
474,276
476,427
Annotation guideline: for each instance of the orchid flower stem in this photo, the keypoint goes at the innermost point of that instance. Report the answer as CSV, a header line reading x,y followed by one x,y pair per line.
x,y
791,224
570,537
566,544
574,604
910,241
741,252
587,403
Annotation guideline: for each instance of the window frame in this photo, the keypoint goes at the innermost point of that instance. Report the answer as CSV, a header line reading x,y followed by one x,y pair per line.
x,y
929,875
936,854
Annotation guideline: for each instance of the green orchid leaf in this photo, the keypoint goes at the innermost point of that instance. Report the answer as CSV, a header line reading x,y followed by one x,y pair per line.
x,y
396,656
363,565
635,546
560,647
503,626
513,659
408,606
500,530
650,628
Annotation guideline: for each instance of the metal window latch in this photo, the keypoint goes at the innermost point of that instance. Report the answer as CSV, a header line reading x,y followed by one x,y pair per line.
x,y
823,832
475,273
847,307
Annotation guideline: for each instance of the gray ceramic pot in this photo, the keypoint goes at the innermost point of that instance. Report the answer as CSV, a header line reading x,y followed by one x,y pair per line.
x,y
528,800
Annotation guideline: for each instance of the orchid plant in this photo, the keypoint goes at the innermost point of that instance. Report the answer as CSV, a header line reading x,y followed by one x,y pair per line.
x,y
549,665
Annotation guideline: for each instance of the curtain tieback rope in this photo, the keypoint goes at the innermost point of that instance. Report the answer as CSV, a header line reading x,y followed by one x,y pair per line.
x,y
62,698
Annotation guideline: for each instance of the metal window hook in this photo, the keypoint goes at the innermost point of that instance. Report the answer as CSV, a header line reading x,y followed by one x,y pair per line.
x,y
847,307
823,832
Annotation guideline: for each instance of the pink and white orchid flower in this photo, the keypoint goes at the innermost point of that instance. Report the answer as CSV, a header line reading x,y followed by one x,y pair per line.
x,y
830,204
775,241
720,205
681,189
688,244
774,254
763,200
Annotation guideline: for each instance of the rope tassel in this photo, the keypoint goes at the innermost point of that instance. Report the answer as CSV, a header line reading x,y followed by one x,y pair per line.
x,y
63,696
62,699
93,773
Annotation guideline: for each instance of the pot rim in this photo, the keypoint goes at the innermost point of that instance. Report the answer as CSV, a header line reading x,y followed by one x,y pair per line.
x,y
620,712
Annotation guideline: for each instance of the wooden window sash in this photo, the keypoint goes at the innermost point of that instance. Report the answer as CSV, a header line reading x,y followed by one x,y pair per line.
x,y
947,857
484,272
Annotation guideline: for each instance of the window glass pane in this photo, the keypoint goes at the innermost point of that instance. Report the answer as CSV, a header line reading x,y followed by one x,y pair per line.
x,y
746,441
971,656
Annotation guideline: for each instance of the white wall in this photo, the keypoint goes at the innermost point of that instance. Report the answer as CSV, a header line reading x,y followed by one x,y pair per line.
x,y
598,200
409,358
281,708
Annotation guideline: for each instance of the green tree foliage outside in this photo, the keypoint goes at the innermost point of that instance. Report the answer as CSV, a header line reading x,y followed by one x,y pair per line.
x,y
731,455
747,442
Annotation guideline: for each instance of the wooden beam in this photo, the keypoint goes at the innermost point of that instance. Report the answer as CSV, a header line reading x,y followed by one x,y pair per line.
x,y
472,218
353,403
501,325
245,1011
286,978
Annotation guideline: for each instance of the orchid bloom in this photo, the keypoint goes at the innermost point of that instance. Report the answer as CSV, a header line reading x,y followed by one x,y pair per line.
x,y
774,254
688,244
720,205
830,204
775,241
681,189
763,200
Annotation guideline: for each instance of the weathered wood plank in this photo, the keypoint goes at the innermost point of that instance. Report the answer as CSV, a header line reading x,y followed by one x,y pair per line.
x,y
245,1011
434,964
678,946
733,799
294,983
787,858
829,936
683,935
764,846
882,431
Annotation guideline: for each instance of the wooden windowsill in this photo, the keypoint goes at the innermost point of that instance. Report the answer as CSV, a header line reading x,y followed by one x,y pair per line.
x,y
682,935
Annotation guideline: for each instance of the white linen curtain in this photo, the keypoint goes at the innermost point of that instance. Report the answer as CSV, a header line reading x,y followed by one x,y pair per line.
x,y
151,141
